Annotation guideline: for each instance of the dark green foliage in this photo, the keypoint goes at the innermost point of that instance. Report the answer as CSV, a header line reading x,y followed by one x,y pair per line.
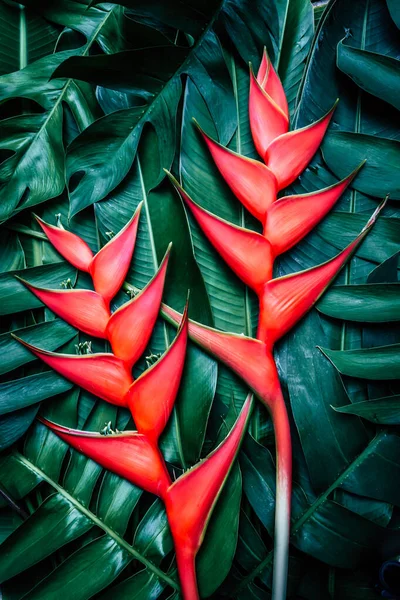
x,y
96,100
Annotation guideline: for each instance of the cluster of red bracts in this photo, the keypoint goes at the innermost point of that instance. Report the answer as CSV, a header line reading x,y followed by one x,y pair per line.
x,y
285,221
135,455
283,301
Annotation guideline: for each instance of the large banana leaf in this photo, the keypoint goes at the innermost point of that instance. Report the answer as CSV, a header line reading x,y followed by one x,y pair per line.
x,y
97,100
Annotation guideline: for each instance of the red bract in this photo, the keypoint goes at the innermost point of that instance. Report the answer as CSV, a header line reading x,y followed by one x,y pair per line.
x,y
151,397
283,301
189,501
129,454
84,309
109,266
104,375
134,455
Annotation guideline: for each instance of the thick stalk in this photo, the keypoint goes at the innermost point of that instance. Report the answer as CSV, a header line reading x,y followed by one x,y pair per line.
x,y
187,573
275,402
283,446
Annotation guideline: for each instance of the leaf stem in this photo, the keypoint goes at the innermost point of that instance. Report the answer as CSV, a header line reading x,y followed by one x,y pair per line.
x,y
283,445
316,504
99,523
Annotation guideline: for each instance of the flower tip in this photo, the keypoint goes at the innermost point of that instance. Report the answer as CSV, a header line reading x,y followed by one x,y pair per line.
x,y
137,211
375,214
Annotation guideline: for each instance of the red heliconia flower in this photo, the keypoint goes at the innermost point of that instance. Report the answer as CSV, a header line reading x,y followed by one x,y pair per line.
x,y
109,266
285,153
190,500
103,375
84,309
130,327
151,397
135,455
283,301
129,454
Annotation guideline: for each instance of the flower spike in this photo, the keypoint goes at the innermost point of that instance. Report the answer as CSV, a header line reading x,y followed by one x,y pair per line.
x,y
84,309
289,154
271,84
68,244
128,454
287,299
190,500
247,253
101,374
292,217
252,182
110,265
151,397
267,120
130,327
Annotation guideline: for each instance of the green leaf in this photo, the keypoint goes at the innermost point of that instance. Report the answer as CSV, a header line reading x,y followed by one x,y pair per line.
x,y
381,243
15,297
53,525
258,470
394,11
314,386
368,303
375,73
297,29
122,130
318,519
343,151
24,37
23,392
153,537
86,572
49,336
41,154
221,537
117,552
141,586
14,425
383,411
381,363
116,502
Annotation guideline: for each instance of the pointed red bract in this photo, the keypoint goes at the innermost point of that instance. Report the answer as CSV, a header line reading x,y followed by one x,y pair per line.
x,y
292,217
289,154
128,454
270,82
69,245
267,120
263,68
110,265
287,299
191,498
103,375
83,309
247,253
151,397
252,182
247,357
130,327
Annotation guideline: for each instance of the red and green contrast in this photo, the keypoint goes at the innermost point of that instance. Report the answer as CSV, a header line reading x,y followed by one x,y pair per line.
x,y
284,300
135,455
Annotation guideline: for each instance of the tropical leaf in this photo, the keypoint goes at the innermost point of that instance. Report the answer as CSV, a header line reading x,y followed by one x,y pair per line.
x,y
96,101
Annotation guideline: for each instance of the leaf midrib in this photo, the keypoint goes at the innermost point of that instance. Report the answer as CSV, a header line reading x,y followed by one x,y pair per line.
x,y
98,522
315,505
